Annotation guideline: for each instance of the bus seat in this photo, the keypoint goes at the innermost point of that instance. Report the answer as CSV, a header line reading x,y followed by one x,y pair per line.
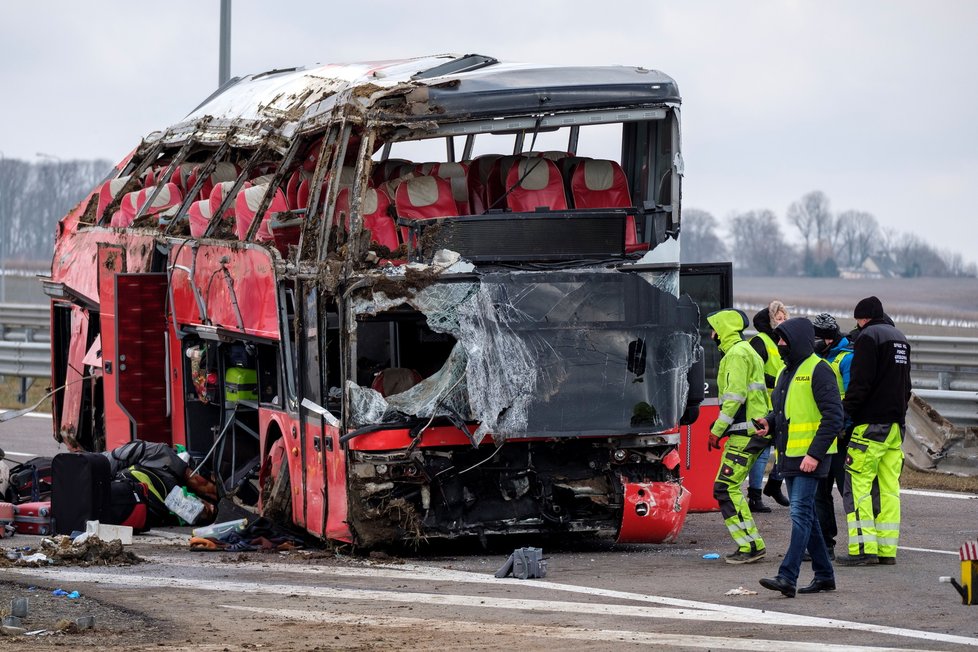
x,y
199,215
385,170
223,171
292,188
457,175
219,192
424,169
246,206
395,380
602,184
376,217
109,191
535,183
498,180
554,155
567,167
478,182
423,198
168,197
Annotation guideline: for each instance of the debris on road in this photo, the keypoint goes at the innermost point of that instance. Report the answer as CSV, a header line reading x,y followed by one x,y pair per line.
x,y
740,591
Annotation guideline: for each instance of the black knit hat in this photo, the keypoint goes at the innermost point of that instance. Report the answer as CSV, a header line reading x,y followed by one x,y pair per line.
x,y
869,308
826,327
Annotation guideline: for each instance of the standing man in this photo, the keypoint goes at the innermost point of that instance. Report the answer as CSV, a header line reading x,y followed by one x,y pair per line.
x,y
805,420
833,347
765,321
740,384
876,401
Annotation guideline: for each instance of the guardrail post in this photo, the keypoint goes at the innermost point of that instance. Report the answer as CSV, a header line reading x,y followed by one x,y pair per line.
x,y
25,384
944,380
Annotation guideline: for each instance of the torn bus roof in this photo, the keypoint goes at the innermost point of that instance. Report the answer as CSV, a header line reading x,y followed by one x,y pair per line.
x,y
300,99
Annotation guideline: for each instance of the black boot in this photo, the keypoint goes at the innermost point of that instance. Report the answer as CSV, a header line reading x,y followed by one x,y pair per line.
x,y
773,489
755,503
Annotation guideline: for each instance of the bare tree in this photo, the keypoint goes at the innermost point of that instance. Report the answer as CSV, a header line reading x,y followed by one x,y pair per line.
x,y
858,236
914,257
812,217
759,246
700,242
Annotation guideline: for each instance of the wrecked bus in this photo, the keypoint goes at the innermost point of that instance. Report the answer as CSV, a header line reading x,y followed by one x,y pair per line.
x,y
397,301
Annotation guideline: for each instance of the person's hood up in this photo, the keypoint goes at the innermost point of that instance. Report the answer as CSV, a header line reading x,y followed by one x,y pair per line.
x,y
762,322
799,335
729,325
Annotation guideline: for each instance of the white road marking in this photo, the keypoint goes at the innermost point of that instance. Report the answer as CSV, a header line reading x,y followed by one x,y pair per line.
x,y
940,552
36,415
684,609
549,632
939,494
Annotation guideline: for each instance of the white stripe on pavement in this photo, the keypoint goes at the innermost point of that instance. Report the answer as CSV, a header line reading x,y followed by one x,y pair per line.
x,y
700,610
939,494
36,415
940,552
620,636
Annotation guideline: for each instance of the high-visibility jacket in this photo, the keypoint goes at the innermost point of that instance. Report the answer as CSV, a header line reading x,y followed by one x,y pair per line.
x,y
802,412
740,377
773,363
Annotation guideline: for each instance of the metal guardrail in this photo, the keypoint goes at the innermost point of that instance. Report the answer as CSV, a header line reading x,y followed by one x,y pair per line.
x,y
27,322
25,359
945,369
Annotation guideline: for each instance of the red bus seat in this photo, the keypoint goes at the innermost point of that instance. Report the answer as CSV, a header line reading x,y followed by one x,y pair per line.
x,y
478,182
395,380
387,169
246,206
457,175
293,185
535,183
499,180
602,184
423,198
168,197
223,171
109,191
376,216
199,215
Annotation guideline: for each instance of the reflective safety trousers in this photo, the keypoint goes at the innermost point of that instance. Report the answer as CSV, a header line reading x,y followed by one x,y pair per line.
x,y
727,489
872,489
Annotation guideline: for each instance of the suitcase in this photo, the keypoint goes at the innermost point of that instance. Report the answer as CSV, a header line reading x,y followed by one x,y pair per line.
x,y
33,518
6,513
79,490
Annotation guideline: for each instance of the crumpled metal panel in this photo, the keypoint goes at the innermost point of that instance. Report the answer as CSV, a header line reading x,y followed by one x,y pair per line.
x,y
654,512
550,354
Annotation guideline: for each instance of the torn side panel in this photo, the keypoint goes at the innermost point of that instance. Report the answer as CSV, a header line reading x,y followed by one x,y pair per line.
x,y
559,353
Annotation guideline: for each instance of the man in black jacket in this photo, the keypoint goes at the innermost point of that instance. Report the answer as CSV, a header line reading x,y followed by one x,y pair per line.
x,y
876,401
805,419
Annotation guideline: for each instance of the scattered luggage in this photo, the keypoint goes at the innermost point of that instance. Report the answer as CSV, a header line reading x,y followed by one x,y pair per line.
x,y
80,490
30,481
34,518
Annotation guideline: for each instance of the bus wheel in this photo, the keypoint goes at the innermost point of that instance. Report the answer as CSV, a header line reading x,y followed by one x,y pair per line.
x,y
276,495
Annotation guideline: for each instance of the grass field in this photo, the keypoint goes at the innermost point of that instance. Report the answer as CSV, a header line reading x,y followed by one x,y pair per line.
x,y
919,306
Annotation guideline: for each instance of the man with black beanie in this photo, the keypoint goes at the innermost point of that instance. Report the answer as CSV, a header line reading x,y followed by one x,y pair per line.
x,y
876,401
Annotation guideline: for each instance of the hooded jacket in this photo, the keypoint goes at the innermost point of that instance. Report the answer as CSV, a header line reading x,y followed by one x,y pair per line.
x,y
799,334
740,376
879,378
772,360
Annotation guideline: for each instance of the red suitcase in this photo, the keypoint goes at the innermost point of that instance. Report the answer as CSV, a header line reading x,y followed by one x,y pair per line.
x,y
33,518
6,513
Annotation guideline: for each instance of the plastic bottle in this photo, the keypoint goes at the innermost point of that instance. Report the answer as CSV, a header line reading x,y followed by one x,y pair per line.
x,y
217,530
182,453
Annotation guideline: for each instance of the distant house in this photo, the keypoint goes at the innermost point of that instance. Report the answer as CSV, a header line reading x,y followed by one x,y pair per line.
x,y
880,266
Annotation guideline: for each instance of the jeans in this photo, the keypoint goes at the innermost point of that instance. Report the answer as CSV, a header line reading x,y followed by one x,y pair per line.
x,y
825,501
805,532
755,479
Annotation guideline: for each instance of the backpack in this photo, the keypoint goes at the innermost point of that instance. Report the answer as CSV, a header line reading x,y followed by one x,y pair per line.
x,y
156,486
30,482
128,505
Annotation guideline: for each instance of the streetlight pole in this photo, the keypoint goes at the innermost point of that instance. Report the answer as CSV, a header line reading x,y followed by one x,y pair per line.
x,y
224,60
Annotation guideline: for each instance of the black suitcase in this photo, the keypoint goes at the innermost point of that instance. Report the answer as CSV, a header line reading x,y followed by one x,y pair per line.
x,y
80,490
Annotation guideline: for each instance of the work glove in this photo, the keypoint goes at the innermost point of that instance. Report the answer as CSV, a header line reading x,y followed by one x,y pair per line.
x,y
714,442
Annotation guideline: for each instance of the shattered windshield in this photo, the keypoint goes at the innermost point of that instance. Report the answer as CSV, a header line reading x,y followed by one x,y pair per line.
x,y
553,353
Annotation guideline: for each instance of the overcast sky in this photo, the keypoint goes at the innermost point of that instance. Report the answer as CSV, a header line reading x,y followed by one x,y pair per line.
x,y
873,102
